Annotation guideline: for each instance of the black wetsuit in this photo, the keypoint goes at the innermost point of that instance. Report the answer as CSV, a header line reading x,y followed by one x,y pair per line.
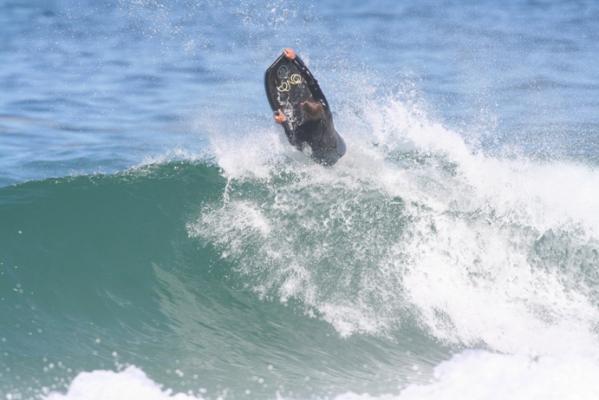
x,y
320,134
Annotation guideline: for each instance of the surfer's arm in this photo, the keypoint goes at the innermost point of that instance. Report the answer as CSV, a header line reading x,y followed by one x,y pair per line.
x,y
282,120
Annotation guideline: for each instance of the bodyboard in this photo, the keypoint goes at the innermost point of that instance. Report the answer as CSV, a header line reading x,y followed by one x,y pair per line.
x,y
288,83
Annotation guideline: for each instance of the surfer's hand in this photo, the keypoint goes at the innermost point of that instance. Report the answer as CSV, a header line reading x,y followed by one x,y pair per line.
x,y
289,53
279,117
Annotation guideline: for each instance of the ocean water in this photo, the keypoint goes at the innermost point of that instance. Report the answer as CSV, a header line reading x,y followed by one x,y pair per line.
x,y
160,239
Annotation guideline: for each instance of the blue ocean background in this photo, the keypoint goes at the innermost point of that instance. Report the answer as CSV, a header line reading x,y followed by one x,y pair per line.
x,y
159,238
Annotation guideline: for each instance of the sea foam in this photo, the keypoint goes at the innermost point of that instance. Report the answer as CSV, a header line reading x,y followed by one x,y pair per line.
x,y
414,221
470,375
480,375
128,384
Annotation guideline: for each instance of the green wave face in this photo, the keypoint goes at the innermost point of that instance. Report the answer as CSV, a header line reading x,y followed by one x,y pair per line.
x,y
85,262
99,271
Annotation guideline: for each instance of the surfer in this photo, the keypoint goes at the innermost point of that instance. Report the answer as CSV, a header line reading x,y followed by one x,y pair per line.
x,y
301,108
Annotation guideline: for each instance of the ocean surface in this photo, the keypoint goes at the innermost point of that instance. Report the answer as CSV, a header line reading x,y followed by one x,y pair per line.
x,y
160,239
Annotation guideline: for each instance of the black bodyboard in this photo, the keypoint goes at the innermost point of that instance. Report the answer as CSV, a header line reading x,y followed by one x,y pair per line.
x,y
288,83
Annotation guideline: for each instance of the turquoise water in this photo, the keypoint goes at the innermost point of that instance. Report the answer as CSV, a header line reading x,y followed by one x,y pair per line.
x,y
160,239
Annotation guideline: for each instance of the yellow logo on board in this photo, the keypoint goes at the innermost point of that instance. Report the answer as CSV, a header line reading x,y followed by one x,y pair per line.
x,y
294,79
